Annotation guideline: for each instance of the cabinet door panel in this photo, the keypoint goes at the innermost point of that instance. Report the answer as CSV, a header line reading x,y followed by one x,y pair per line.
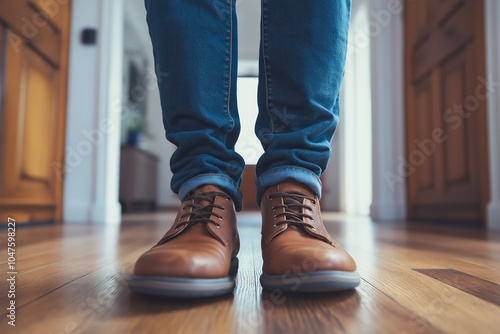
x,y
30,120
40,22
33,88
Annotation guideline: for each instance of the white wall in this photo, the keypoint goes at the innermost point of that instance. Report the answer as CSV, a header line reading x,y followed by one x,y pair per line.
x,y
248,145
81,102
93,112
387,64
248,12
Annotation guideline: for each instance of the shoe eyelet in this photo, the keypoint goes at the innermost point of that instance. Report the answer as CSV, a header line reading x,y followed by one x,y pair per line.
x,y
275,217
313,228
273,209
223,209
269,197
220,218
218,226
275,225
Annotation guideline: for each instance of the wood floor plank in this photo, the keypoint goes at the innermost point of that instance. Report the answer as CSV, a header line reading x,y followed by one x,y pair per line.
x,y
72,279
364,310
432,302
101,302
428,257
475,286
50,271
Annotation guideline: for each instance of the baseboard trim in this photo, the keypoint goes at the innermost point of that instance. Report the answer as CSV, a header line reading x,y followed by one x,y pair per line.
x,y
387,212
106,214
493,216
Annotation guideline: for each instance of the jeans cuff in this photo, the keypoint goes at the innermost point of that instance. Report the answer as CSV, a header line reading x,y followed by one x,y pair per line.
x,y
220,180
280,174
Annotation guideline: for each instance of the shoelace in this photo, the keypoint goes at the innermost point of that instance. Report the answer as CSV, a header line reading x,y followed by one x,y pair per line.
x,y
293,203
202,213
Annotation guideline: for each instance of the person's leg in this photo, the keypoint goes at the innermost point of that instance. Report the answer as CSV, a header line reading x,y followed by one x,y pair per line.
x,y
195,51
302,56
194,44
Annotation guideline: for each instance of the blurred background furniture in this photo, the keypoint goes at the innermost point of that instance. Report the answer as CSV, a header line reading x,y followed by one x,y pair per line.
x,y
138,179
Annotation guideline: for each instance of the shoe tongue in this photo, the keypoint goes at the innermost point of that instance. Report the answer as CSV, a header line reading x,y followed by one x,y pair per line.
x,y
206,189
292,186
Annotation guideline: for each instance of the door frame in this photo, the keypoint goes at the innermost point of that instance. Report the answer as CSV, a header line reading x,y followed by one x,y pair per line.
x,y
91,168
388,113
492,13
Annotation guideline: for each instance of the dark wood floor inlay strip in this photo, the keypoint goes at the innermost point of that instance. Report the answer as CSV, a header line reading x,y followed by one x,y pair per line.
x,y
473,285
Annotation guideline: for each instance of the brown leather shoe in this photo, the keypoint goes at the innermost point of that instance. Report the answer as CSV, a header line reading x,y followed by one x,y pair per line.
x,y
299,254
197,256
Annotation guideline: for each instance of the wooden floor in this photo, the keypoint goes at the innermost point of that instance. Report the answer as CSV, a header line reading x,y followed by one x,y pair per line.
x,y
415,279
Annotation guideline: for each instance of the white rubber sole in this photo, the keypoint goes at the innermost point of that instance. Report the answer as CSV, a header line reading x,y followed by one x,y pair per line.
x,y
320,281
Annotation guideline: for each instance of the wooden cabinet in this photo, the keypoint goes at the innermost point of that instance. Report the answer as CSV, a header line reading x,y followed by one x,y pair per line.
x,y
138,178
34,69
446,162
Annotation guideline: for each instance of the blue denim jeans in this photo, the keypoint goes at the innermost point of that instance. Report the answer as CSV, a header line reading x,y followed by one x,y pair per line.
x,y
302,55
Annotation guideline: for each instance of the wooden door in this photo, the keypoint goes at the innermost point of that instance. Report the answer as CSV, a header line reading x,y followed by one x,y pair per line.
x,y
446,161
34,67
